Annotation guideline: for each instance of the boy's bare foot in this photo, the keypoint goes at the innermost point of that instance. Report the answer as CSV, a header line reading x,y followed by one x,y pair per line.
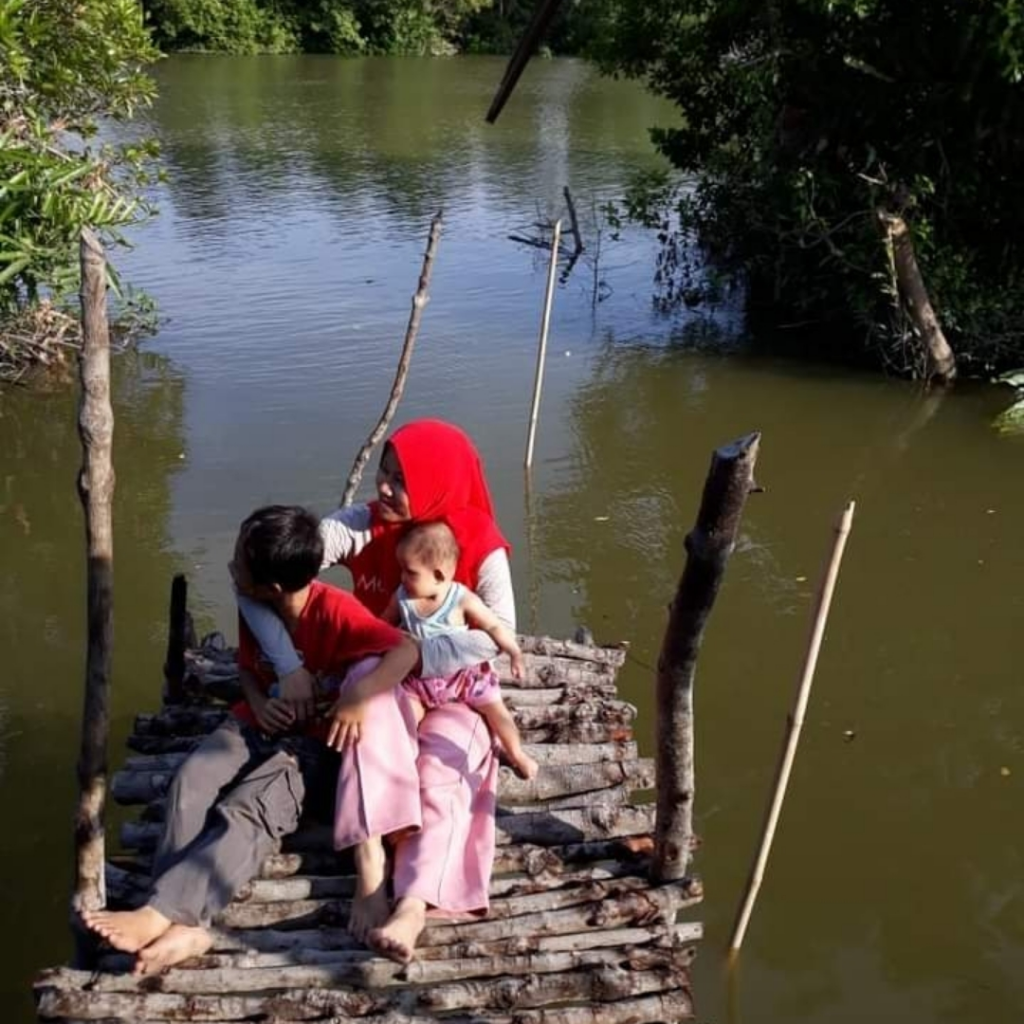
x,y
177,944
127,930
370,903
524,765
397,938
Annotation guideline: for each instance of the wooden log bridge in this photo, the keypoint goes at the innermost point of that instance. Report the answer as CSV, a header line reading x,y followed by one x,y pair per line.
x,y
577,933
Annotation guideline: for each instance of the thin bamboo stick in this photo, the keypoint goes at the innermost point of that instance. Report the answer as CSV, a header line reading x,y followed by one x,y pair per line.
x,y
542,348
419,301
795,723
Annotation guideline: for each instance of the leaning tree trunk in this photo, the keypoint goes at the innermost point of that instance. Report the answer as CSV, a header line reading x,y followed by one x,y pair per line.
x,y
708,546
937,356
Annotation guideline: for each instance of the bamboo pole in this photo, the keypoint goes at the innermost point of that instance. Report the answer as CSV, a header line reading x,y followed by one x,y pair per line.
x,y
540,827
708,546
95,489
542,346
180,722
419,300
794,723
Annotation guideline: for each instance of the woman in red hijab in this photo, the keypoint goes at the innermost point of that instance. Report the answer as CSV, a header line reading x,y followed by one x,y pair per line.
x,y
434,793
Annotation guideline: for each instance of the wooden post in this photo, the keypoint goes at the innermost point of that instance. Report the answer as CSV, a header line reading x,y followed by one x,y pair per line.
x,y
794,723
177,641
96,489
708,546
419,300
542,347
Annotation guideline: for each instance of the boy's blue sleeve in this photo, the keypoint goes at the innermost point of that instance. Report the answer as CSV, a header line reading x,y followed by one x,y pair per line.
x,y
270,634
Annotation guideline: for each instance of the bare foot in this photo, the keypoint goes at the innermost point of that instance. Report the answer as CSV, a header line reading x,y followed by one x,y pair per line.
x,y
176,944
370,903
397,939
524,765
127,930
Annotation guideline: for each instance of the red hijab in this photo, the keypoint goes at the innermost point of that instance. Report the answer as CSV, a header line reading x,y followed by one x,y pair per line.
x,y
444,479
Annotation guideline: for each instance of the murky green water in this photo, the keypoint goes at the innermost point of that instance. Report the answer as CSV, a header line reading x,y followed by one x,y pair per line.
x,y
291,231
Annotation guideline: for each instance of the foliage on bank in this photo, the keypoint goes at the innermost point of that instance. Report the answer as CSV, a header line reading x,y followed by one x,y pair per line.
x,y
806,122
63,68
351,27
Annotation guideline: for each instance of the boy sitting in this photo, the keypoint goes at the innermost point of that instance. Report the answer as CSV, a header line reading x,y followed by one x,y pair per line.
x,y
246,784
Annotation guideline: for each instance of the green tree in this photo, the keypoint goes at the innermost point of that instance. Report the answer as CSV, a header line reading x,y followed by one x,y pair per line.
x,y
420,27
64,68
804,120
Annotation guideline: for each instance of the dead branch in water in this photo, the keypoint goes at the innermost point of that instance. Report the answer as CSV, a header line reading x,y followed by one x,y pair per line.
x,y
419,300
936,354
42,338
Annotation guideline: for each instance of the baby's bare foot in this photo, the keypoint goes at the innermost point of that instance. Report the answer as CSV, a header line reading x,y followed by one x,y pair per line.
x,y
177,944
127,930
397,938
524,765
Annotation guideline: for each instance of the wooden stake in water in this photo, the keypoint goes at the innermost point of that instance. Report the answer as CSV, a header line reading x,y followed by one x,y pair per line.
x,y
96,490
794,724
708,547
542,348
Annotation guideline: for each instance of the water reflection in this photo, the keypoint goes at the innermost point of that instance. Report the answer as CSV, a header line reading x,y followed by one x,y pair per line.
x,y
894,889
239,131
294,219
42,626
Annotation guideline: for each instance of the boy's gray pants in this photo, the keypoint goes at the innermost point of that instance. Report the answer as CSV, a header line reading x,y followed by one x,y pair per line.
x,y
234,797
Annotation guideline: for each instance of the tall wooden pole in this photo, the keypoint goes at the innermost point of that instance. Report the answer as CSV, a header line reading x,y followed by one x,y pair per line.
x,y
96,490
419,301
794,723
708,546
542,343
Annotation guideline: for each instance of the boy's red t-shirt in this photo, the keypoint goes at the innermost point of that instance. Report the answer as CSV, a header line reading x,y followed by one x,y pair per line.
x,y
334,631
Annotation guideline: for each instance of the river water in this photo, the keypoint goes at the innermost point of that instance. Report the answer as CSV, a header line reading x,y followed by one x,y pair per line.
x,y
292,224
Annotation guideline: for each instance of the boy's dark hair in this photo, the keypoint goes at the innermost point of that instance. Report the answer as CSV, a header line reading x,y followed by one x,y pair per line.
x,y
433,543
281,544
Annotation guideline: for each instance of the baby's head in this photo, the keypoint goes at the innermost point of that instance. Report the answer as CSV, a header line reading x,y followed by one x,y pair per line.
x,y
428,555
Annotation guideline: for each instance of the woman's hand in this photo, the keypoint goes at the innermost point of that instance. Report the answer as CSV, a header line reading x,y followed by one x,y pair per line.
x,y
346,717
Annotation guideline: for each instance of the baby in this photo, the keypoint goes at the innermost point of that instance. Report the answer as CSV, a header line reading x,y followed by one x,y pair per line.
x,y
430,603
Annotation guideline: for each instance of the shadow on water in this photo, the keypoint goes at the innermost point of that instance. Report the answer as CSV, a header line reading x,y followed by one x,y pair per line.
x,y
42,617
